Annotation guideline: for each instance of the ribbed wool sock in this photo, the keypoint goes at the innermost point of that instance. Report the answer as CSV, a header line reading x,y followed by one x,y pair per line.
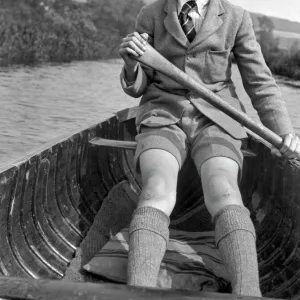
x,y
114,214
148,238
236,240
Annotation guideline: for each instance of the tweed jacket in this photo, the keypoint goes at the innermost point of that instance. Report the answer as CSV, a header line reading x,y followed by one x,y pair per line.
x,y
226,29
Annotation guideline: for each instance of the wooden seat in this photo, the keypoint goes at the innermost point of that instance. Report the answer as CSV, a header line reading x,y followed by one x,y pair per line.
x,y
131,145
129,114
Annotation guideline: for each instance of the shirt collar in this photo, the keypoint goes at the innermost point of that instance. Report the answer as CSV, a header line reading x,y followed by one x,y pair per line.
x,y
200,4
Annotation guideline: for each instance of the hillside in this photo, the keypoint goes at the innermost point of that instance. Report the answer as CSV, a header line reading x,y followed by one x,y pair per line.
x,y
35,31
280,24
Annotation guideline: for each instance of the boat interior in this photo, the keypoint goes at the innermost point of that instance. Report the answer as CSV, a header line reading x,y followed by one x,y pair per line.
x,y
50,198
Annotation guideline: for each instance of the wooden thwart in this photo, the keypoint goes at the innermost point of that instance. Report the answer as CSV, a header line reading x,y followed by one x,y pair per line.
x,y
33,289
131,145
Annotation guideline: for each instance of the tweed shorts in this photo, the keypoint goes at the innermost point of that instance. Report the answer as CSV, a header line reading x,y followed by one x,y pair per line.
x,y
194,134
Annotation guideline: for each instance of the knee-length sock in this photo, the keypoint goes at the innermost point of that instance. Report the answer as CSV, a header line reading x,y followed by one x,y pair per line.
x,y
148,238
236,240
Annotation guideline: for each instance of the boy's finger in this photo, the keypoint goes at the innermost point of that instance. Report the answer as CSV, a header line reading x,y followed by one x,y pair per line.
x,y
128,51
133,46
294,149
297,151
275,152
137,40
138,43
145,36
286,143
290,152
139,37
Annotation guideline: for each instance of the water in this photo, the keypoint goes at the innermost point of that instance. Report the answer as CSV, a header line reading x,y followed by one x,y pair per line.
x,y
40,103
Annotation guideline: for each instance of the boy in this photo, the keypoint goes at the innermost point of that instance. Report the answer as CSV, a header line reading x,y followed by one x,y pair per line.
x,y
197,37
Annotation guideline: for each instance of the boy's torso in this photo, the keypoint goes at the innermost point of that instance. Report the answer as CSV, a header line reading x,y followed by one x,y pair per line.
x,y
207,59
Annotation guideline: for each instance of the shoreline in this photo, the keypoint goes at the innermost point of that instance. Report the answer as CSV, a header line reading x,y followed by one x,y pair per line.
x,y
288,81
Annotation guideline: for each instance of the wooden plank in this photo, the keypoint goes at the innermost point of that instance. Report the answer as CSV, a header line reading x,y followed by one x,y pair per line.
x,y
32,208
68,211
31,289
9,183
84,214
66,238
87,196
92,193
131,145
113,143
24,239
36,214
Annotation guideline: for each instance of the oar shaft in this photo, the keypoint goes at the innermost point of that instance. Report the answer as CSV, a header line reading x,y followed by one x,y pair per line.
x,y
156,61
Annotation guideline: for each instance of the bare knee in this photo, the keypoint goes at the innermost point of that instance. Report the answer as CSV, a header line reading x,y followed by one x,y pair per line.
x,y
219,187
220,191
219,182
159,171
158,192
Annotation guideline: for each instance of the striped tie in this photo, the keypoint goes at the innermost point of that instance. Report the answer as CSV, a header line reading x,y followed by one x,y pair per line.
x,y
186,21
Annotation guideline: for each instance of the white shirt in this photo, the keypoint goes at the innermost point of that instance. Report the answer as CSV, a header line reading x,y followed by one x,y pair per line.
x,y
197,13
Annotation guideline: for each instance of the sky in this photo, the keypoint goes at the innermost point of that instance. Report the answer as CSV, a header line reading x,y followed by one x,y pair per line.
x,y
285,9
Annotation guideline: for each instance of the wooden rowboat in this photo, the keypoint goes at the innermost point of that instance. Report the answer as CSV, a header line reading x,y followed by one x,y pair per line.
x,y
49,199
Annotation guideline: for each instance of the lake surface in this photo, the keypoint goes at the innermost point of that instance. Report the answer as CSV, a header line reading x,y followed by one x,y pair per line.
x,y
40,103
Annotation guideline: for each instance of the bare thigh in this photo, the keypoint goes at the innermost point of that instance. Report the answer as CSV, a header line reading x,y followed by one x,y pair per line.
x,y
219,177
159,170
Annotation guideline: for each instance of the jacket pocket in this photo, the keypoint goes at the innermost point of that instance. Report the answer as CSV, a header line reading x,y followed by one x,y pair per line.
x,y
217,66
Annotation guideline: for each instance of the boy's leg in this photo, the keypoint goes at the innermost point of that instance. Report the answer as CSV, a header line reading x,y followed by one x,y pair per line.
x,y
219,161
234,230
149,228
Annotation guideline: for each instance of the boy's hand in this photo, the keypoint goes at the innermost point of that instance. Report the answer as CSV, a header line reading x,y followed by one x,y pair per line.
x,y
132,45
290,147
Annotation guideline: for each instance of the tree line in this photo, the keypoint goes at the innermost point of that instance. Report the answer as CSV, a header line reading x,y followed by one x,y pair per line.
x,y
284,62
37,31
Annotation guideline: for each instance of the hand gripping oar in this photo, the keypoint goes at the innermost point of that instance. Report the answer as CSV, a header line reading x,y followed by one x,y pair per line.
x,y
157,62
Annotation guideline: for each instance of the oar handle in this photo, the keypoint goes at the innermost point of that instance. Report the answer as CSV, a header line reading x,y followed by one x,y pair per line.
x,y
156,61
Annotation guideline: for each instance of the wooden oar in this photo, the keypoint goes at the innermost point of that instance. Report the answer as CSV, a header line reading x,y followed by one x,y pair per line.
x,y
157,62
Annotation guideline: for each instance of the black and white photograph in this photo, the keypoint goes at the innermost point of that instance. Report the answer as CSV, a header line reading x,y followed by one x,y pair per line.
x,y
149,149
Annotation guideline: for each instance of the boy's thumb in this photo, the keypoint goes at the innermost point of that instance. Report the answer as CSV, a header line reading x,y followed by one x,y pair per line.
x,y
145,36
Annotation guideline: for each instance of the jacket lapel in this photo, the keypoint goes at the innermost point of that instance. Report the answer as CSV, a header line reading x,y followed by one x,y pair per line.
x,y
211,22
172,23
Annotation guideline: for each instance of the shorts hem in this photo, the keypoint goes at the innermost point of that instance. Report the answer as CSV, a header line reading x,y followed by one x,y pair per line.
x,y
148,142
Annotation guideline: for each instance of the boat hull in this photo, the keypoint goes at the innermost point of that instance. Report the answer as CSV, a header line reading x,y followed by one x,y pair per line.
x,y
50,197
